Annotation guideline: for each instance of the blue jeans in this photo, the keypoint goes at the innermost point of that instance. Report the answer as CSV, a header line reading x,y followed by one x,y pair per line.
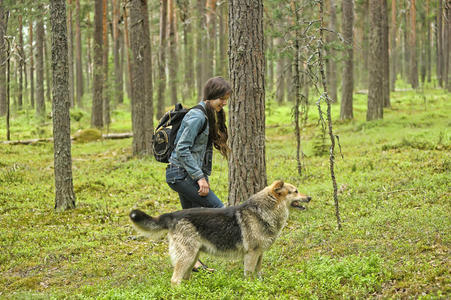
x,y
178,180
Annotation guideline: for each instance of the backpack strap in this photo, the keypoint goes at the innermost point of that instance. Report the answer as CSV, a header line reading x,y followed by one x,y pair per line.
x,y
200,107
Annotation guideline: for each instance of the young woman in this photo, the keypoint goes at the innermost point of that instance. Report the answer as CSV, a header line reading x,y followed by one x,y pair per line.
x,y
190,162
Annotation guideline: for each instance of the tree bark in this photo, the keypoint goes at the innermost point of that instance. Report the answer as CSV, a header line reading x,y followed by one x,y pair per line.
x,y
128,72
105,88
70,57
172,53
331,66
187,47
428,43
393,51
162,59
210,44
247,106
3,57
20,65
222,56
200,38
30,38
97,94
375,88
78,56
280,73
440,60
40,102
447,44
385,55
117,38
140,47
64,190
413,46
346,109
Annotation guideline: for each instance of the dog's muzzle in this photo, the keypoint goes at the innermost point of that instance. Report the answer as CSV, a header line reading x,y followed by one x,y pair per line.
x,y
297,203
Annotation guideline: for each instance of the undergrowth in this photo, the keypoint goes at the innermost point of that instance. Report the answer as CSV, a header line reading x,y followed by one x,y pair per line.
x,y
394,196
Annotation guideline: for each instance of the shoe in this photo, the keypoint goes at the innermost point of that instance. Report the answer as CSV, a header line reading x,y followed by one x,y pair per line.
x,y
203,267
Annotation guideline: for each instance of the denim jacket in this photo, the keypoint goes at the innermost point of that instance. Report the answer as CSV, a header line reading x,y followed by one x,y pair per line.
x,y
191,153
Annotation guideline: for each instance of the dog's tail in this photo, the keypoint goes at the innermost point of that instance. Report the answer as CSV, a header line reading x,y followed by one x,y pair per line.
x,y
147,225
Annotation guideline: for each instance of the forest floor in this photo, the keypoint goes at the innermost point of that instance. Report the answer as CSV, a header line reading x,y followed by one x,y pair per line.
x,y
394,193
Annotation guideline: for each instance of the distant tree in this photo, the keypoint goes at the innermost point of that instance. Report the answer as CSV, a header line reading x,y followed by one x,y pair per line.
x,y
200,40
97,94
3,57
428,42
40,38
64,190
21,64
222,53
185,18
78,56
413,46
172,53
439,40
375,88
105,51
331,65
447,48
280,73
70,45
162,59
346,111
31,55
247,106
211,38
385,55
393,51
117,39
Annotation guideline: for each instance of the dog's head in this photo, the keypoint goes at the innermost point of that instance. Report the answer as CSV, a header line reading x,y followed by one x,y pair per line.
x,y
289,194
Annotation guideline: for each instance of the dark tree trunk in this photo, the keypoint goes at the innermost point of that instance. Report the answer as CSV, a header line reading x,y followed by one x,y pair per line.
x,y
140,47
385,55
394,52
413,46
64,190
161,95
406,61
172,53
375,88
447,46
3,57
346,111
117,38
78,55
428,44
247,106
439,35
97,82
128,82
40,102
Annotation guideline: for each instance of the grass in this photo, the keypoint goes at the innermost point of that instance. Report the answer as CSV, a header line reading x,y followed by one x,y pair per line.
x,y
394,199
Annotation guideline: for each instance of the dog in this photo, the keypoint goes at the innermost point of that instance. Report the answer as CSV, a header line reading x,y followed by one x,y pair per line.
x,y
245,230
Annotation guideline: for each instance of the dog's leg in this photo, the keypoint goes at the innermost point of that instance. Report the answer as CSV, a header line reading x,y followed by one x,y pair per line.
x,y
188,272
182,268
250,262
258,267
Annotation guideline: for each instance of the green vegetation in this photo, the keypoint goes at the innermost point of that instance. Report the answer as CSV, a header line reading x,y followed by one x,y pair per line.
x,y
393,190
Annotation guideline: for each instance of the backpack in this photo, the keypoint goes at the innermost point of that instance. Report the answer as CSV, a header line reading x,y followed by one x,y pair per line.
x,y
165,133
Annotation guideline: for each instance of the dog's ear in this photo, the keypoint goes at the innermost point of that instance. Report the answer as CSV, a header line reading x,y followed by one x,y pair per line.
x,y
277,188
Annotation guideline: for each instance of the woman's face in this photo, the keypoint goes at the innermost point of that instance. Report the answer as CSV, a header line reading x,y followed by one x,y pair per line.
x,y
219,103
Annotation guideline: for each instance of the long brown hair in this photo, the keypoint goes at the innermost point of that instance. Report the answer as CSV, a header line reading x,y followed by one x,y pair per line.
x,y
215,88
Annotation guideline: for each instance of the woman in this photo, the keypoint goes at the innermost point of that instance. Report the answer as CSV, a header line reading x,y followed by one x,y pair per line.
x,y
190,162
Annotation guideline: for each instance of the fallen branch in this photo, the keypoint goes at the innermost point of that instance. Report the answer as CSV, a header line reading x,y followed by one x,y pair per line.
x,y
111,136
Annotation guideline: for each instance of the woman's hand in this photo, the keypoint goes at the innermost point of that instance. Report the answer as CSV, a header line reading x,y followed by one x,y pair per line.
x,y
204,187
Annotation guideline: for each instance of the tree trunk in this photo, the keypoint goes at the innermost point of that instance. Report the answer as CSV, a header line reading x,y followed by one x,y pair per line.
x,y
89,72
247,107
172,53
210,44
21,64
346,111
331,67
280,72
385,55
428,44
200,40
64,190
128,72
393,46
221,70
30,40
187,47
406,62
3,57
162,59
105,88
78,54
40,102
413,46
439,34
140,47
375,88
97,94
118,76
70,57
447,46
47,67
365,42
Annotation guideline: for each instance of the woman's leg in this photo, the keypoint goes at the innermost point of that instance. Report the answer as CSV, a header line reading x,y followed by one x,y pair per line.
x,y
189,196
